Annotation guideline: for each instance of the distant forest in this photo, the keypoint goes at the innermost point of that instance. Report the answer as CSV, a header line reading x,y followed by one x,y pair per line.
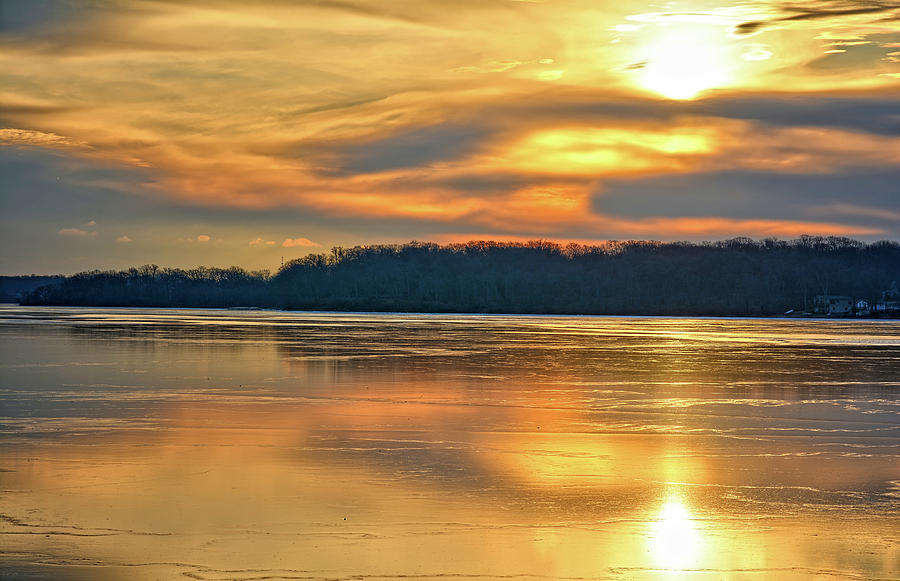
x,y
738,277
13,288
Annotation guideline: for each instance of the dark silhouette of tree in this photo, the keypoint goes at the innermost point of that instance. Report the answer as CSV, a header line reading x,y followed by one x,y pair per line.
x,y
14,288
152,286
737,277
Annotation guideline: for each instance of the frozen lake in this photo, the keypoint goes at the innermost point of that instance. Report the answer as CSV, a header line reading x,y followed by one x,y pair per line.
x,y
206,444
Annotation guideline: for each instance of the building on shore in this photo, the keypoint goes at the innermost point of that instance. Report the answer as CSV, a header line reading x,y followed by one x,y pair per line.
x,y
845,306
833,305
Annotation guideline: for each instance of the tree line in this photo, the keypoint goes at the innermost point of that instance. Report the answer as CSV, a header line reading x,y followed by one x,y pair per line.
x,y
152,286
13,288
736,277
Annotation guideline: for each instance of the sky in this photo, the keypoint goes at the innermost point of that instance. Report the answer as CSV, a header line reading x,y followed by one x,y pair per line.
x,y
238,132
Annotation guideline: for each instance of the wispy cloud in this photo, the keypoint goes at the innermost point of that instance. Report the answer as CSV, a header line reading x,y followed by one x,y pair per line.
x,y
819,10
30,138
294,242
881,214
77,232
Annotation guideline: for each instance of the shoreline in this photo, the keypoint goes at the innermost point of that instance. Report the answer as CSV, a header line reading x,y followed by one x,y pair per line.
x,y
804,316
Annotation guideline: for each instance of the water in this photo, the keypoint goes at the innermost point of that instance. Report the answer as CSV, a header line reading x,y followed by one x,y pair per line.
x,y
205,444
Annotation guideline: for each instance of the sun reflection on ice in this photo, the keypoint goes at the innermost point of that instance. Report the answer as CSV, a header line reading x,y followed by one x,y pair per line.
x,y
675,542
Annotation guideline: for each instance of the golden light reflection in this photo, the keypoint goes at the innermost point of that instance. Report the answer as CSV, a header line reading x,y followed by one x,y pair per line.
x,y
675,541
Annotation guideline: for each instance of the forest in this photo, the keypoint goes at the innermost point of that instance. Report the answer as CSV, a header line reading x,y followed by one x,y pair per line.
x,y
152,286
13,288
736,277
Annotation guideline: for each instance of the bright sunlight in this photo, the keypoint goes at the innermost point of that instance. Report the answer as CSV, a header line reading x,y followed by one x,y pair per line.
x,y
684,60
675,542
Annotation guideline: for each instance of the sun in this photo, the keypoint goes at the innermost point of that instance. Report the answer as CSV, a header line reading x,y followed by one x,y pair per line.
x,y
682,61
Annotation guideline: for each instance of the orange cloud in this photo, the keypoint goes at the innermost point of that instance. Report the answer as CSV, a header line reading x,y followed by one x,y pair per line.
x,y
293,242
715,227
707,228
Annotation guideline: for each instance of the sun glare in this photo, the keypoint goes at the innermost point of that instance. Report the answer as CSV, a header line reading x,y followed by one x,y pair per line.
x,y
675,542
682,61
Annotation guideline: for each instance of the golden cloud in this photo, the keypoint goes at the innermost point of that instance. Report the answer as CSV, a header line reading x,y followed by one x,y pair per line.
x,y
29,138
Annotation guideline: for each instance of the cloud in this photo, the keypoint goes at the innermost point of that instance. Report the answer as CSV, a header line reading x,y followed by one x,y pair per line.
x,y
124,240
31,107
767,196
690,145
875,113
409,143
816,10
874,213
551,75
202,239
29,138
491,67
76,232
292,242
720,16
757,53
415,147
717,227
